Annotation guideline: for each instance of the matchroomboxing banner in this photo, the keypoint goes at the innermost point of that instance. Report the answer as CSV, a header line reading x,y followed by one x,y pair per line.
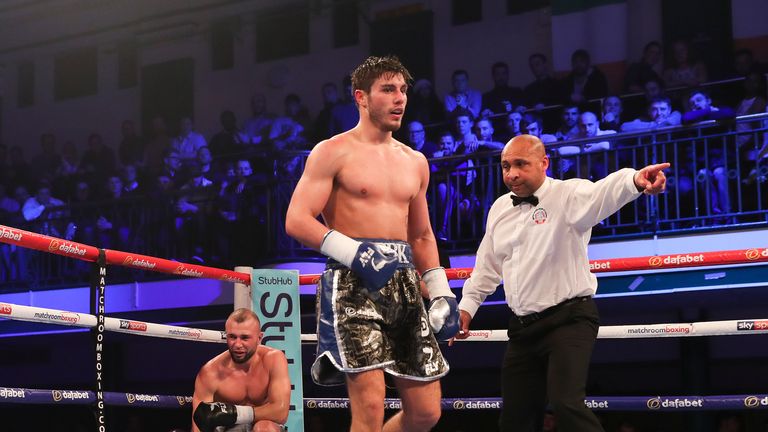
x,y
276,300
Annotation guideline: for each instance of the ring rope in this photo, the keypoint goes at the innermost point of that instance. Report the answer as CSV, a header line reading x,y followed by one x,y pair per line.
x,y
143,328
146,262
77,319
10,395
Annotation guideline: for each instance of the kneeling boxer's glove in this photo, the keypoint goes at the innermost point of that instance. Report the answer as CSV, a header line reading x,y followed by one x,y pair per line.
x,y
443,311
210,415
371,262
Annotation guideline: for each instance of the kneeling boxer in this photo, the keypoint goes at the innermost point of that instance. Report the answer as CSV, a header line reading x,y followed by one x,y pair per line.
x,y
245,388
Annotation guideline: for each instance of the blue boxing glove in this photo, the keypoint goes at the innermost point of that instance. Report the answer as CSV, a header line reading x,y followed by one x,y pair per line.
x,y
443,311
209,415
373,263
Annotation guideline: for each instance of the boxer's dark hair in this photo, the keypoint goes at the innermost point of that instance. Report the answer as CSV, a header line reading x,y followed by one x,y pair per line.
x,y
375,67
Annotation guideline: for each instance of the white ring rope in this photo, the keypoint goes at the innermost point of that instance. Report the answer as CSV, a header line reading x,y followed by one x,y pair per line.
x,y
77,319
705,328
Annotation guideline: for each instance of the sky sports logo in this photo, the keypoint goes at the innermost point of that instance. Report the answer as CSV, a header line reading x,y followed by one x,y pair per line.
x,y
6,309
133,325
752,325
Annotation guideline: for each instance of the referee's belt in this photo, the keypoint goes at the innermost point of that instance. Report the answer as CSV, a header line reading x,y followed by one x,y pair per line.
x,y
533,317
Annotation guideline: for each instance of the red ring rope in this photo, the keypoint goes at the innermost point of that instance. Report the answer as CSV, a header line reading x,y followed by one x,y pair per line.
x,y
90,253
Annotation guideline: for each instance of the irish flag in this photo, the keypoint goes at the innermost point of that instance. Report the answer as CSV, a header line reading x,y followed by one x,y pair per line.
x,y
598,26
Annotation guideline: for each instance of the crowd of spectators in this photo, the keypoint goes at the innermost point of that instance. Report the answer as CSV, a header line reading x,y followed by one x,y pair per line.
x,y
208,195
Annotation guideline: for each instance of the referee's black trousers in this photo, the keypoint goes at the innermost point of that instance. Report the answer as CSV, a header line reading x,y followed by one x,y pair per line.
x,y
547,360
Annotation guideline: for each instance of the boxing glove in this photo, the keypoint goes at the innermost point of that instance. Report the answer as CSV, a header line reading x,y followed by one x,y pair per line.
x,y
372,262
442,311
209,415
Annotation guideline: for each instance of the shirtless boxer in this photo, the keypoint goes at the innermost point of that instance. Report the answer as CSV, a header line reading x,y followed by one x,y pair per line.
x,y
371,192
245,388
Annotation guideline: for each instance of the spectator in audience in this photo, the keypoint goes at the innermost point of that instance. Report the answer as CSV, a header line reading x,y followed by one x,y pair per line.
x,y
442,169
502,98
484,129
648,68
569,119
70,161
188,141
8,208
611,117
321,128
423,104
462,96
513,125
112,225
208,168
172,168
240,214
744,63
159,141
10,214
230,140
98,161
585,82
458,188
345,114
47,163
131,185
700,108
158,225
533,125
132,146
447,145
593,163
288,132
256,129
684,70
82,214
753,102
193,213
660,114
18,171
544,90
417,139
638,107
44,210
712,159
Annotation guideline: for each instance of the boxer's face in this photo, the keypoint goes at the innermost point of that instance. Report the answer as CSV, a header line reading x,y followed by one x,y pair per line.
x,y
242,339
385,103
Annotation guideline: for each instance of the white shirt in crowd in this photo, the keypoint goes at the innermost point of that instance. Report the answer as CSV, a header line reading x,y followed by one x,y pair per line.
x,y
541,252
188,145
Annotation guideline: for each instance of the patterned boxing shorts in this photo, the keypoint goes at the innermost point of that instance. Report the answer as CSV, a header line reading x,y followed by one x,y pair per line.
x,y
359,331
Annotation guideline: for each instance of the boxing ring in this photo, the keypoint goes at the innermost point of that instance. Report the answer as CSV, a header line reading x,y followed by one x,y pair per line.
x,y
97,397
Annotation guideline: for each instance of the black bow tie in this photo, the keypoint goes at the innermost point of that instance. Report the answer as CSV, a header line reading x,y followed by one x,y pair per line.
x,y
531,199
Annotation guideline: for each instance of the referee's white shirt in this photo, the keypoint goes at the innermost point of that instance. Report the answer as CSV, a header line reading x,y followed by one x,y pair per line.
x,y
541,252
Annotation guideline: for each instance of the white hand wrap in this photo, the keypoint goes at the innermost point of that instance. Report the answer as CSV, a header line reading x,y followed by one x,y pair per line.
x,y
437,283
339,247
244,414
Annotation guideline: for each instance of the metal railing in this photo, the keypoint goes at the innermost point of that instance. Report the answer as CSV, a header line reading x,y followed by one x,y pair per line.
x,y
716,182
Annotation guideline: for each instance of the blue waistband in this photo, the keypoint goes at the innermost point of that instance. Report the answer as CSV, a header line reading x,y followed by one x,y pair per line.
x,y
402,250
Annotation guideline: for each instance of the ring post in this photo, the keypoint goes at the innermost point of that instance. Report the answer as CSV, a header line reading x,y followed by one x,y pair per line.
x,y
98,283
243,294
276,302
